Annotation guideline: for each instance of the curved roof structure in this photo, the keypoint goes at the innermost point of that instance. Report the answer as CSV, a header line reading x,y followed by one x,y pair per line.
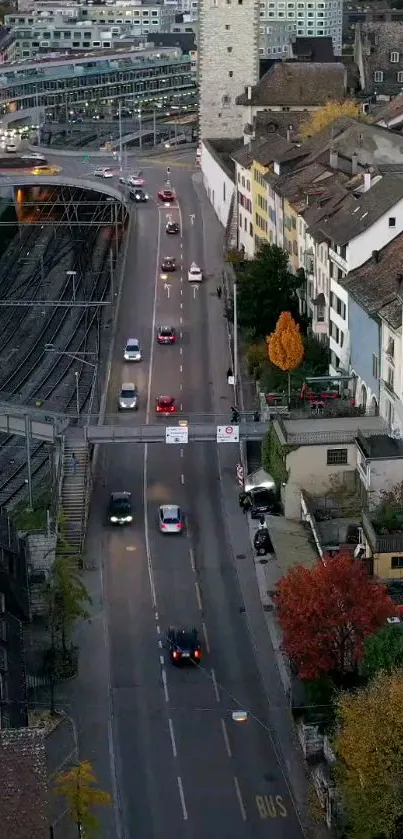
x,y
24,179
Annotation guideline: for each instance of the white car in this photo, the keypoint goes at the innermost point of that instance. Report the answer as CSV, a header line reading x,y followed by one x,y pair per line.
x,y
128,397
136,179
170,519
195,274
33,156
132,350
103,173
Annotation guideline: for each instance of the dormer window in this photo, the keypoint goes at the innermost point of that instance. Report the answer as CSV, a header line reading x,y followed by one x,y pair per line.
x,y
394,57
378,76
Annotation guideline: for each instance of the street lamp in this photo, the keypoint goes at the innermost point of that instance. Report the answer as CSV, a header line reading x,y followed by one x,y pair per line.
x,y
79,356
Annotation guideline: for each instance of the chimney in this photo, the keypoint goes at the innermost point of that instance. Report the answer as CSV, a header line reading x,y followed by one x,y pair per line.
x,y
367,181
334,159
354,163
375,256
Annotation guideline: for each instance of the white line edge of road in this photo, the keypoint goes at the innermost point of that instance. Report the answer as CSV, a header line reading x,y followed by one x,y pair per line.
x,y
240,799
148,408
226,738
172,736
215,685
182,798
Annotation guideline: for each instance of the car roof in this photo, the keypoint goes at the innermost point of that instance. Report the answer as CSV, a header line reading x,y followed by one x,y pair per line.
x,y
121,496
132,341
164,327
169,509
165,399
187,631
194,265
128,386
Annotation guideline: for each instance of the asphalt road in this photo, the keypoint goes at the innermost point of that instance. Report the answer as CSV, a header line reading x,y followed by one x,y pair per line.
x,y
184,768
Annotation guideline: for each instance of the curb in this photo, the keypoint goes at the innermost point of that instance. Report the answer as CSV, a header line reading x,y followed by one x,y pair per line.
x,y
102,407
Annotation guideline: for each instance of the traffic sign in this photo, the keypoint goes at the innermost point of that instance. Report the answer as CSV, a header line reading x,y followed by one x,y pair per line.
x,y
227,433
177,434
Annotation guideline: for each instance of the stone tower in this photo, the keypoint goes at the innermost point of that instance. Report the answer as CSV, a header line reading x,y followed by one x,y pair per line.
x,y
228,55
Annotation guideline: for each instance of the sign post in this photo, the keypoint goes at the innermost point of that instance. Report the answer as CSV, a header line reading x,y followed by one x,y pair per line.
x,y
227,433
176,434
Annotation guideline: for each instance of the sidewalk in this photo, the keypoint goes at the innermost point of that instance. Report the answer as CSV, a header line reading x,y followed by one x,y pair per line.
x,y
256,578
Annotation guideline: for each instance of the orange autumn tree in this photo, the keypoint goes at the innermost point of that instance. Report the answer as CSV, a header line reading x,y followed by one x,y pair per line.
x,y
285,346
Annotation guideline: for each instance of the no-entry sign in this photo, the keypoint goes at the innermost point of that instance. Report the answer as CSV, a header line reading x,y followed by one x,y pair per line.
x,y
227,433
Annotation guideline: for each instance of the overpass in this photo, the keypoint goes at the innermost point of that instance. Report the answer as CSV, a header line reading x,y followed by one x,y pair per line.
x,y
51,427
21,179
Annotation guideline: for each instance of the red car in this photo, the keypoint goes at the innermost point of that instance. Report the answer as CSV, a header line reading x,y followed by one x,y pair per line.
x,y
168,264
165,406
166,195
166,335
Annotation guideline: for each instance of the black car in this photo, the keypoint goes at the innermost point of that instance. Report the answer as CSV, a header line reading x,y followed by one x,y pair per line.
x,y
263,501
166,335
120,508
172,228
138,195
168,264
184,645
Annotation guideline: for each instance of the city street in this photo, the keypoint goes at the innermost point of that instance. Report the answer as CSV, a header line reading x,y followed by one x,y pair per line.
x,y
182,766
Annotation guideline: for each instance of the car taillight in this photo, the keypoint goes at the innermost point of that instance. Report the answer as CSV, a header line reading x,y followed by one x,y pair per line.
x,y
176,654
197,653
172,408
158,409
163,525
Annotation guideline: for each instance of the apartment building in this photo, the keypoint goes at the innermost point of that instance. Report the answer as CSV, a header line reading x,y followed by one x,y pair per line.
x,y
282,20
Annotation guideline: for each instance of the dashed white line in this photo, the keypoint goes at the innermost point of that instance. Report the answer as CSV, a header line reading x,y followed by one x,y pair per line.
x,y
182,479
160,644
206,641
172,735
240,799
156,616
181,321
181,407
181,245
181,279
181,348
192,561
181,368
162,660
198,597
181,452
181,305
181,335
226,738
182,798
181,291
158,629
164,682
215,685
181,386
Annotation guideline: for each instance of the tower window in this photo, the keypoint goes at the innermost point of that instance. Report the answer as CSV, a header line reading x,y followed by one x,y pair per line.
x,y
229,49
230,74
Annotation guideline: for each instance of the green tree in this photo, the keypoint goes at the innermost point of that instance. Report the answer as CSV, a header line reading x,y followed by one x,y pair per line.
x,y
266,287
369,748
383,651
78,787
70,597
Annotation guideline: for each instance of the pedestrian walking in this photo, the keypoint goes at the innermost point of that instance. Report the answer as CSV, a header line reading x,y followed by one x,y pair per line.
x,y
234,415
256,416
74,463
219,292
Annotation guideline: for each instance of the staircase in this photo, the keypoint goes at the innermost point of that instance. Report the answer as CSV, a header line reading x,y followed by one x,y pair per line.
x,y
231,230
75,495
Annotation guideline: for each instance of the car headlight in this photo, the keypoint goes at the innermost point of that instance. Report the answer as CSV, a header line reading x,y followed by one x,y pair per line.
x,y
126,356
133,404
129,518
146,197
114,519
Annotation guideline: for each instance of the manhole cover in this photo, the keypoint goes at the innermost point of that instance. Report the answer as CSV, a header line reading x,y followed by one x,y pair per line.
x,y
130,548
263,561
268,607
241,556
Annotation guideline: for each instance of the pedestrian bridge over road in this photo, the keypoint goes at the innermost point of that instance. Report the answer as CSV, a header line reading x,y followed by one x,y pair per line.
x,y
36,424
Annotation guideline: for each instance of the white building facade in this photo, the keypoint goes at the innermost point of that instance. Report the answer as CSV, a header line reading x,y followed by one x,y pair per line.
x,y
245,210
228,52
219,186
391,377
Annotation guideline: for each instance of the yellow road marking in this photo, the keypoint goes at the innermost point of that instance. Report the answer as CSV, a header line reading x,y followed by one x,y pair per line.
x,y
271,807
131,548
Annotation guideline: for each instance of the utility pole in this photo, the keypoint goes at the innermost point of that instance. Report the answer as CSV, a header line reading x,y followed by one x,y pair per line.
x,y
120,137
235,336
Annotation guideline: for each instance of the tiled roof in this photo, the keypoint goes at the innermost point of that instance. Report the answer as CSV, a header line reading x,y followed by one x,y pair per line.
x,y
359,213
278,122
389,111
23,785
264,150
374,284
298,84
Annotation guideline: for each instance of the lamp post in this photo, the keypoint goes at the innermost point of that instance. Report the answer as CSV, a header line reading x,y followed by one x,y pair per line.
x,y
80,357
72,275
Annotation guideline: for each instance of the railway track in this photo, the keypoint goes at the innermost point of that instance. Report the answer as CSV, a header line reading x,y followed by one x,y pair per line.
x,y
58,381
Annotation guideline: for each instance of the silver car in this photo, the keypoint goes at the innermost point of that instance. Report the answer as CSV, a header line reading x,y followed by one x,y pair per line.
x,y
128,397
132,350
170,519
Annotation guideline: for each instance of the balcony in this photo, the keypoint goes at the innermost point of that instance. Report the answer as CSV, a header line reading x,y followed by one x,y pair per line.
x,y
381,543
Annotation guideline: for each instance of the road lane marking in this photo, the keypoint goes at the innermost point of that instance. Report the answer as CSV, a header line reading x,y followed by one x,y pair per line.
x,y
160,644
181,386
198,596
172,734
156,616
240,799
181,351
181,291
158,629
162,660
181,407
204,627
271,807
164,682
182,479
192,560
181,335
226,738
181,305
180,368
182,798
215,685
181,279
181,452
181,321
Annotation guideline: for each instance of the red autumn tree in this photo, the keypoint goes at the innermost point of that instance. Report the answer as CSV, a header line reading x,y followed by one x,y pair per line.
x,y
326,612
